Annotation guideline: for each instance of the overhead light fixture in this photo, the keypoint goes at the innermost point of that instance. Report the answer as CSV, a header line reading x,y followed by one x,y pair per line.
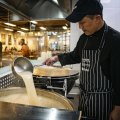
x,y
56,1
10,24
66,24
54,33
25,29
64,27
8,29
68,33
34,22
42,28
20,31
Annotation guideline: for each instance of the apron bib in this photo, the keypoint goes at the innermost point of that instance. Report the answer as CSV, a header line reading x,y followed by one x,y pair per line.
x,y
95,89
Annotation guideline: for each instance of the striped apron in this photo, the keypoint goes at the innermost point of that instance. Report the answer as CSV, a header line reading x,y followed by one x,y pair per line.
x,y
96,90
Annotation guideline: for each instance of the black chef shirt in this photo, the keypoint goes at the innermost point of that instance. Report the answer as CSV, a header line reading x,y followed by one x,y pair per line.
x,y
109,58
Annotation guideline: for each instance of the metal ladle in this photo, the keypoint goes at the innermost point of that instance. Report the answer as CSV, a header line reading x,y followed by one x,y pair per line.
x,y
21,64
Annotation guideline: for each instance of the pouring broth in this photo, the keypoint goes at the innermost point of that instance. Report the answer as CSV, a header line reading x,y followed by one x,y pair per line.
x,y
31,92
43,99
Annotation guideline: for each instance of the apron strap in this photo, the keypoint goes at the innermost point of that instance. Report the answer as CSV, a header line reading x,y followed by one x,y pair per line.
x,y
103,38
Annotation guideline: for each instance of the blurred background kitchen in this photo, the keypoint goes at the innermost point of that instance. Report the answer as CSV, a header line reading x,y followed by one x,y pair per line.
x,y
40,22
43,26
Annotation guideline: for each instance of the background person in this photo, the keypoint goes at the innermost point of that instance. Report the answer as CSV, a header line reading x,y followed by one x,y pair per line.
x,y
25,49
98,51
6,50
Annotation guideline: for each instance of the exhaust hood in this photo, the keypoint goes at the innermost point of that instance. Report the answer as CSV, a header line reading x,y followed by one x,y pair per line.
x,y
40,9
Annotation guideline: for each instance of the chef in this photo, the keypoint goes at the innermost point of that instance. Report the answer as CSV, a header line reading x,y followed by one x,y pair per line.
x,y
98,51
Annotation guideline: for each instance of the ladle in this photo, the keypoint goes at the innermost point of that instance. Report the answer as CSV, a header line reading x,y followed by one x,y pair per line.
x,y
21,64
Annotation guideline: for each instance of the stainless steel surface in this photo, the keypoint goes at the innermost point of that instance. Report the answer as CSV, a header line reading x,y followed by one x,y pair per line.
x,y
7,79
7,6
46,98
9,111
21,64
74,96
21,12
27,8
61,84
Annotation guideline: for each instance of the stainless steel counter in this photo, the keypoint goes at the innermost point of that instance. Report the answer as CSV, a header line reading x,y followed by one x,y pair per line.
x,y
10,111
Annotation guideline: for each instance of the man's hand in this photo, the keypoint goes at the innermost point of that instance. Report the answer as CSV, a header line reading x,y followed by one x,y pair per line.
x,y
51,61
115,114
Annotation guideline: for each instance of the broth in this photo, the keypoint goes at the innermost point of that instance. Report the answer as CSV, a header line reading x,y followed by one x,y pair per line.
x,y
43,99
31,92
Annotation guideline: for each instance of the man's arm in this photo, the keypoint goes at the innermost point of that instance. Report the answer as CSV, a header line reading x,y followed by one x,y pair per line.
x,y
67,58
74,56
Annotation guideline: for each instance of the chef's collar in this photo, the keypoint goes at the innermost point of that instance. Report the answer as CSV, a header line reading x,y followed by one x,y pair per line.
x,y
98,33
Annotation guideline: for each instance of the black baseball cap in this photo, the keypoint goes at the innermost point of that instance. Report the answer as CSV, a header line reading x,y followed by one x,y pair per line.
x,y
83,8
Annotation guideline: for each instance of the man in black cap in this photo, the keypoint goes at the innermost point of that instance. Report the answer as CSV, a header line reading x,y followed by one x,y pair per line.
x,y
98,51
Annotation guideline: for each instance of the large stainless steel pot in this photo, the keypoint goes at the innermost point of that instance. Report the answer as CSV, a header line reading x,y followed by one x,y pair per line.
x,y
55,100
43,76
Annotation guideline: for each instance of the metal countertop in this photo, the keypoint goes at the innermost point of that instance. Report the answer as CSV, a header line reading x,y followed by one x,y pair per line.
x,y
11,111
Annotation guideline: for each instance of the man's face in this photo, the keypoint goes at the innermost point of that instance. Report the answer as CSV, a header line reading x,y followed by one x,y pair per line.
x,y
89,25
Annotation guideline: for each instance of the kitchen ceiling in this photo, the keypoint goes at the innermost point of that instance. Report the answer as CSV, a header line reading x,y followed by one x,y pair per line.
x,y
47,13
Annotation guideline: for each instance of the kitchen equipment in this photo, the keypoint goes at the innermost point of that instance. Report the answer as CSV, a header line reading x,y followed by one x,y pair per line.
x,y
20,111
21,64
46,98
11,111
60,80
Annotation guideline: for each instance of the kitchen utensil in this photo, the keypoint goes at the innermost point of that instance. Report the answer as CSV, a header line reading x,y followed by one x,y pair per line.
x,y
21,64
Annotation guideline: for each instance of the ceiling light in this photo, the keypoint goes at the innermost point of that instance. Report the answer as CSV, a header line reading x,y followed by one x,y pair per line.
x,y
55,1
20,31
8,29
42,28
24,29
68,33
34,22
10,24
64,27
66,24
54,33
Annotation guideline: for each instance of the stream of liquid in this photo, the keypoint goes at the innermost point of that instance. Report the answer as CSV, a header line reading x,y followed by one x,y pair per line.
x,y
43,99
31,91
